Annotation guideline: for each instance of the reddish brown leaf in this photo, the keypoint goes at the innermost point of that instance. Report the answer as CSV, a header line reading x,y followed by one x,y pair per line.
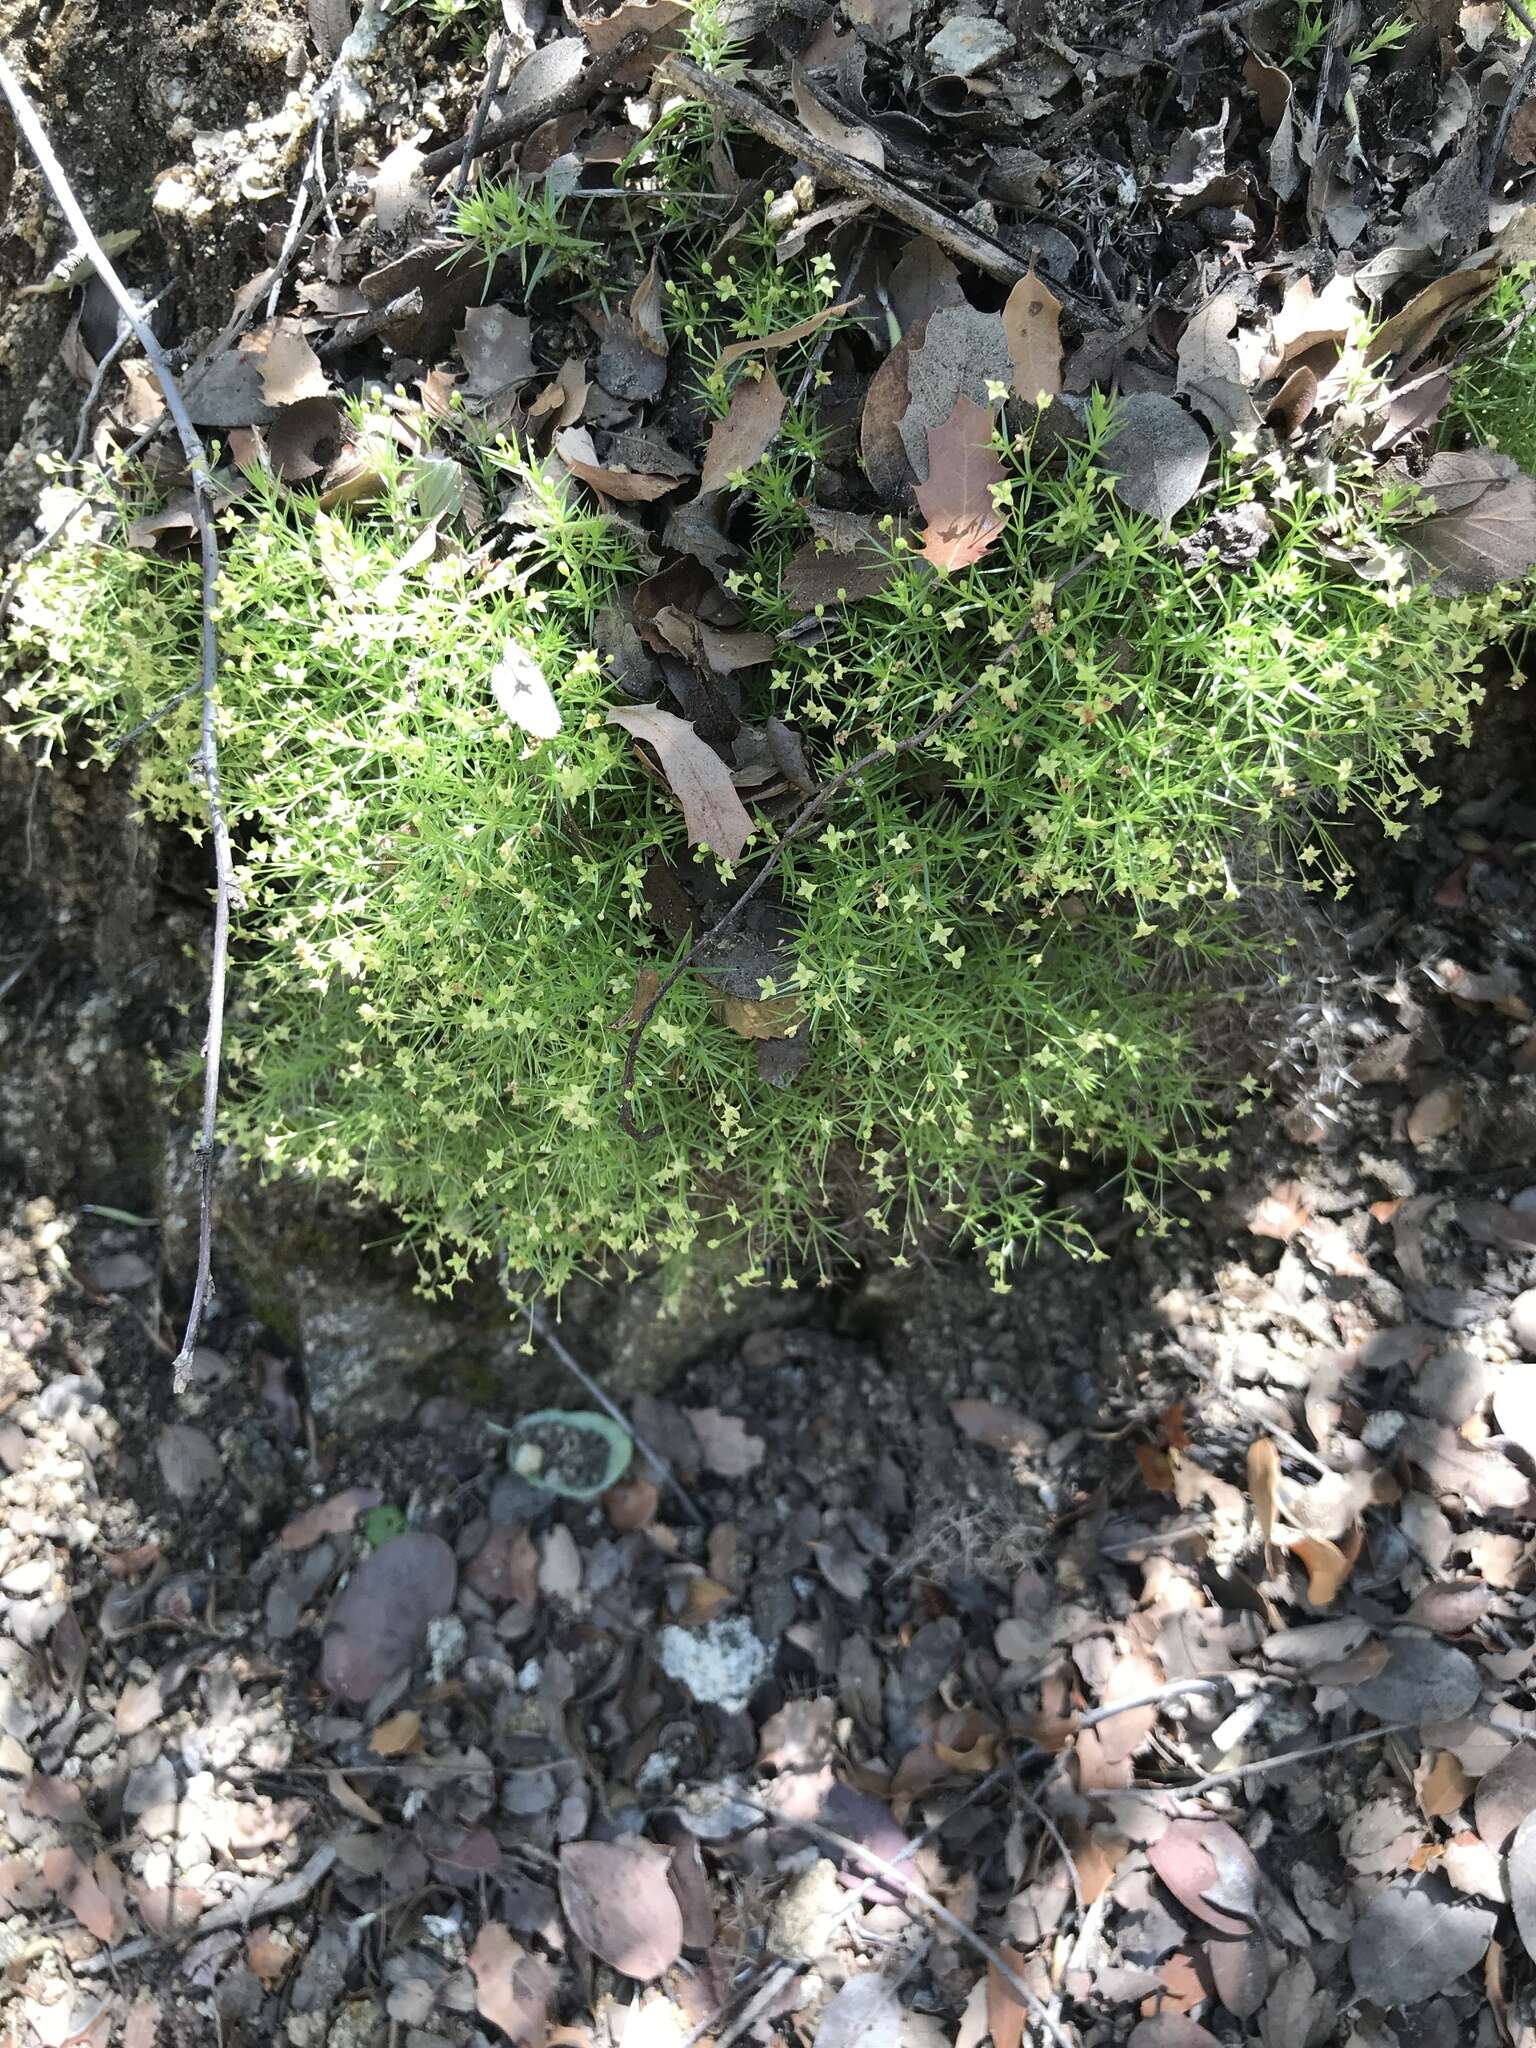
x,y
621,1906
512,1988
1006,2011
956,501
333,1517
1209,1868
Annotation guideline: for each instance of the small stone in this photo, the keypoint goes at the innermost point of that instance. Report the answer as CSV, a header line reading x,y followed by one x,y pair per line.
x,y
967,44
1522,1321
1383,1428
807,1908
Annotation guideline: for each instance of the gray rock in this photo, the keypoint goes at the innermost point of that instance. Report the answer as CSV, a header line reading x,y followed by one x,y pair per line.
x,y
967,44
1522,1321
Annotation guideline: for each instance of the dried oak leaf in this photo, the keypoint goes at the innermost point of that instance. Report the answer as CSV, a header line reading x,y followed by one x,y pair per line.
x,y
1482,530
745,433
333,1517
712,811
288,367
513,1989
956,501
381,1615
620,1905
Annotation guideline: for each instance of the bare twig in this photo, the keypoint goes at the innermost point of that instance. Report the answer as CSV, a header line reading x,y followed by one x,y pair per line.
x,y
1518,90
1265,1764
919,1895
207,756
99,381
550,1337
280,1897
513,127
847,172
1218,17
494,65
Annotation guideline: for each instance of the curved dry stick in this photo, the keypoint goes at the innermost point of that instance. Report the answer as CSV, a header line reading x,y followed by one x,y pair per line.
x,y
206,759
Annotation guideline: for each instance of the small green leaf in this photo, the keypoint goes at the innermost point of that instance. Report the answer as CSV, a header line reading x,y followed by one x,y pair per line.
x,y
382,1525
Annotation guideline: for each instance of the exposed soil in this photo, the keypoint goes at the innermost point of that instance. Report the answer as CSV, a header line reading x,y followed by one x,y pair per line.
x,y
917,1529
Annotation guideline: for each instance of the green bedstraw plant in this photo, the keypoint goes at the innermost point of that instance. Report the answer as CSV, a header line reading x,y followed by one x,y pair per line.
x,y
1005,946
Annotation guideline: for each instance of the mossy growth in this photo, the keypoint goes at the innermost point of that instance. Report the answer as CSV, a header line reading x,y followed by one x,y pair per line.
x,y
1005,948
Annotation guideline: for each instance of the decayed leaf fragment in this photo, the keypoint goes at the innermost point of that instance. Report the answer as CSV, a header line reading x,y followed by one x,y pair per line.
x,y
957,501
513,1989
712,811
1482,530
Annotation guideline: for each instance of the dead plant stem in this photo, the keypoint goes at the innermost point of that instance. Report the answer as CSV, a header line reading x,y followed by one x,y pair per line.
x,y
206,759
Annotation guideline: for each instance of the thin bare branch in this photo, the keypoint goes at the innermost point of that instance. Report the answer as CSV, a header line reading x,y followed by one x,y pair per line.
x,y
206,759
513,127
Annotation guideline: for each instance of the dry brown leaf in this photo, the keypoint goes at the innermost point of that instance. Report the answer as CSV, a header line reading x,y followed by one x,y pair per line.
x,y
398,1736
333,1517
764,344
1328,1565
645,311
1211,1871
1006,2011
745,433
269,1954
712,811
1156,1468
956,501
631,1504
1442,1787
575,448
513,1989
1032,323
1264,1484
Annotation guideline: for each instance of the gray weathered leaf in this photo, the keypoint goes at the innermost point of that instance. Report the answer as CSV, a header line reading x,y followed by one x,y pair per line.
x,y
866,2013
1413,1940
1506,1795
1423,1679
1521,1878
750,423
381,1615
497,349
513,1989
1483,529
189,1462
1156,453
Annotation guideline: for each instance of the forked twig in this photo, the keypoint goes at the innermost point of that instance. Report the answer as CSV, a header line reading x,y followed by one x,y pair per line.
x,y
848,173
513,127
206,759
